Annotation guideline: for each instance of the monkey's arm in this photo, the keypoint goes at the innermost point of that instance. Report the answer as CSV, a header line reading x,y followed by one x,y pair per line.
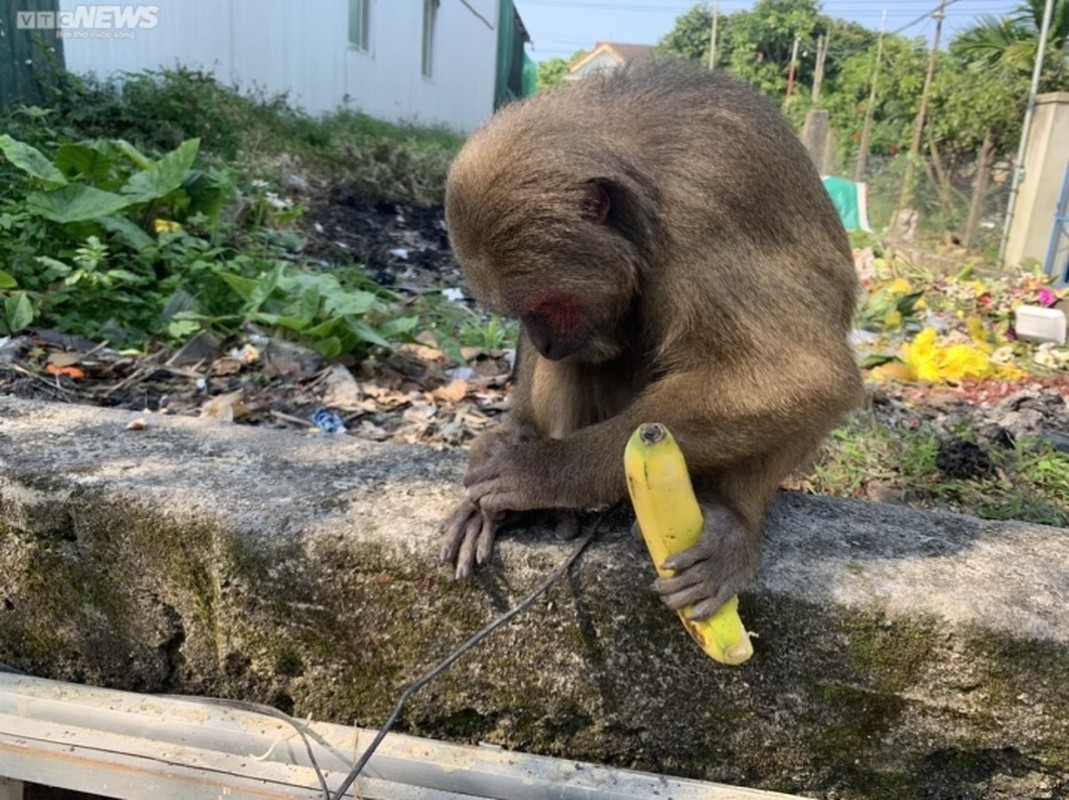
x,y
720,419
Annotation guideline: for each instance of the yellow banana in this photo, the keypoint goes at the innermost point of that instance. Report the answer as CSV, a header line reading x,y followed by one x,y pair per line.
x,y
671,520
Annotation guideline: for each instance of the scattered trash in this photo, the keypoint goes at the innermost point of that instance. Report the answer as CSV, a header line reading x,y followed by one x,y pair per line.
x,y
328,421
400,252
1039,324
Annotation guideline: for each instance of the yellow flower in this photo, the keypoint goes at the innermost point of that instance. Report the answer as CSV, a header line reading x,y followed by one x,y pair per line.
x,y
893,318
166,226
899,286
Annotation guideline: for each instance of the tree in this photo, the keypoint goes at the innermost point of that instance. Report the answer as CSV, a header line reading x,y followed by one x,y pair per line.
x,y
1011,42
899,89
552,70
756,45
690,37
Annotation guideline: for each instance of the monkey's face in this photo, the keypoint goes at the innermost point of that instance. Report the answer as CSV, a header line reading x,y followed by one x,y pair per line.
x,y
551,260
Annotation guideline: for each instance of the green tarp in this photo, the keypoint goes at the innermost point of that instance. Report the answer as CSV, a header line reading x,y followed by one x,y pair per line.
x,y
851,200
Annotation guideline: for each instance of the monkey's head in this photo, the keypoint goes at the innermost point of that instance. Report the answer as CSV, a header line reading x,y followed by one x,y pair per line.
x,y
548,235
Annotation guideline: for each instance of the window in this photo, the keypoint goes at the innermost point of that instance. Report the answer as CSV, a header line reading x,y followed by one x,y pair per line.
x,y
430,18
360,24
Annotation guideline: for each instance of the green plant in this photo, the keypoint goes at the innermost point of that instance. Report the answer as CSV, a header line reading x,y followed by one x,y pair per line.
x,y
17,311
316,307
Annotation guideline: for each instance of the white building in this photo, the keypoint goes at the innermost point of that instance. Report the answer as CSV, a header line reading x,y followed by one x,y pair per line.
x,y
427,61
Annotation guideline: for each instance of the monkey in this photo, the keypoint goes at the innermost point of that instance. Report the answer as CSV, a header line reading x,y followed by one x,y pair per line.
x,y
671,255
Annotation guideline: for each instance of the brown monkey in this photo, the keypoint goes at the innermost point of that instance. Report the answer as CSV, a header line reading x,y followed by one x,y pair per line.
x,y
672,257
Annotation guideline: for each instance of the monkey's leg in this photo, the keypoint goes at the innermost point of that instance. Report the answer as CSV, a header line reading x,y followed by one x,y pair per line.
x,y
724,560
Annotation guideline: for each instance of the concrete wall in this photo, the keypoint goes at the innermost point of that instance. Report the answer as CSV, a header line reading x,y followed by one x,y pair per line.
x,y
1046,158
303,49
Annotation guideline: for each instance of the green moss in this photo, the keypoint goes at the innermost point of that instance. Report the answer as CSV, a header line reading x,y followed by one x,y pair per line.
x,y
1017,671
890,653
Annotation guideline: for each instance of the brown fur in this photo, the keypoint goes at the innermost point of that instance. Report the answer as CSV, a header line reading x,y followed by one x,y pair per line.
x,y
717,285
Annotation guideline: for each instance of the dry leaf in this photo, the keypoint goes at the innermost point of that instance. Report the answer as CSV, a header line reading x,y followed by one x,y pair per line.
x,y
227,365
224,408
422,351
61,359
74,373
452,392
138,424
342,389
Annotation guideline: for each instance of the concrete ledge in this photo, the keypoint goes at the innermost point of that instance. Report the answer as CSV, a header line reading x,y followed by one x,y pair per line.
x,y
902,654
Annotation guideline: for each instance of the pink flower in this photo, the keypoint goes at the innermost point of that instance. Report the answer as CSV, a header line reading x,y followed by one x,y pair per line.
x,y
1046,297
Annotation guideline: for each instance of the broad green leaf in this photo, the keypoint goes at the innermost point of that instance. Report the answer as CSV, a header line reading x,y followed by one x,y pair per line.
x,y
31,161
7,282
329,348
207,193
240,284
18,312
323,329
75,203
400,326
266,286
56,268
130,233
164,176
178,304
124,275
367,333
298,324
343,304
84,160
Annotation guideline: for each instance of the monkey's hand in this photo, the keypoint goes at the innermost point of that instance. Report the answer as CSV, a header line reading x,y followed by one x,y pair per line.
x,y
469,535
517,477
708,574
468,531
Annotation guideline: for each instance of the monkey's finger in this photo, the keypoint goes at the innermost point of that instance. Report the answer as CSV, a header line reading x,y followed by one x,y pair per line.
x,y
457,516
679,583
466,555
454,535
710,605
484,548
685,559
692,596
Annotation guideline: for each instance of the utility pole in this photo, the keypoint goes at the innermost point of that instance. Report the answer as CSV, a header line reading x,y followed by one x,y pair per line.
x,y
712,35
1026,129
905,200
870,111
790,74
818,71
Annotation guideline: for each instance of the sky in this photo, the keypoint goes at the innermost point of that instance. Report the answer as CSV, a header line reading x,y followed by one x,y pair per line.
x,y
560,27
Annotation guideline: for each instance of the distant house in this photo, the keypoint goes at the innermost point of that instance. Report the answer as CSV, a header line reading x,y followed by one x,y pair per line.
x,y
606,56
449,62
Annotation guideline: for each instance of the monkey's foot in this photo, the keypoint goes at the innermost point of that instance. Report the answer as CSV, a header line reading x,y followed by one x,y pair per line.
x,y
708,574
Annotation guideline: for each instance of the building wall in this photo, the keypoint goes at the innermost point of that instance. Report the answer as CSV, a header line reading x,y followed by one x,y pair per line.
x,y
303,49
1045,161
602,61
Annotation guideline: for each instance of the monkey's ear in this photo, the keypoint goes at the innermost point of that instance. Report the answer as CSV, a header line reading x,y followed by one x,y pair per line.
x,y
595,203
